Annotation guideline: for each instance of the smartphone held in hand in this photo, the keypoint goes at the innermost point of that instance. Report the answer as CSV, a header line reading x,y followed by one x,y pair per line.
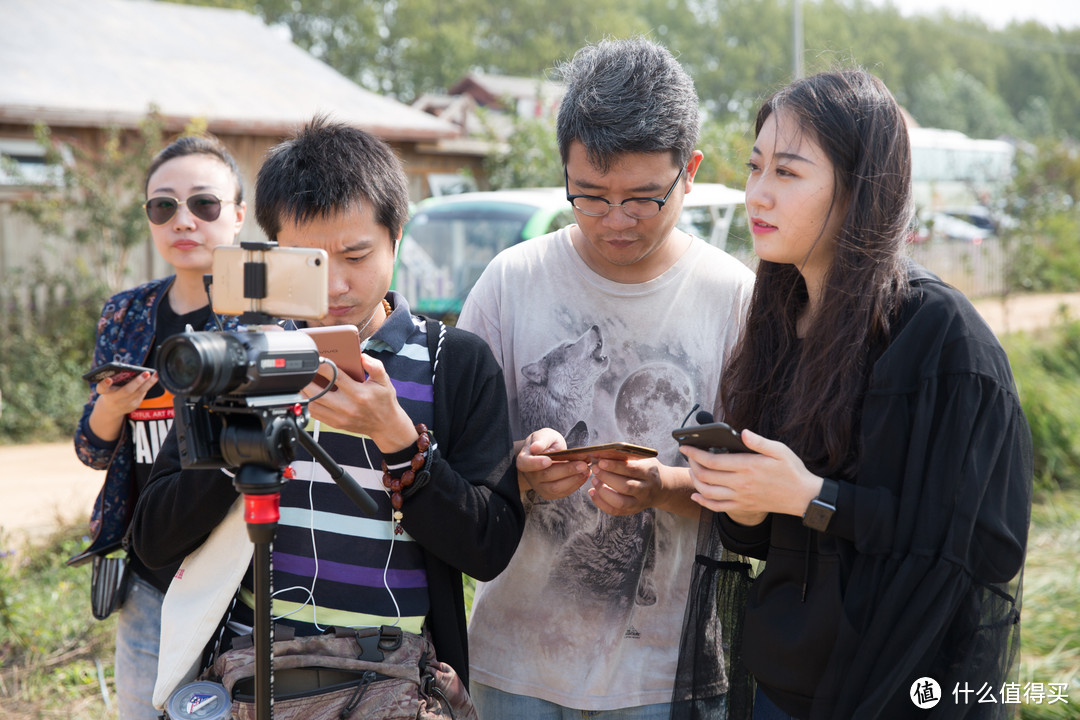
x,y
605,451
121,373
717,437
340,343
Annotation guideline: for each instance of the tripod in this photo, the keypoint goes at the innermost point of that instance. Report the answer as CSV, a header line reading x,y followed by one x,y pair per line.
x,y
260,483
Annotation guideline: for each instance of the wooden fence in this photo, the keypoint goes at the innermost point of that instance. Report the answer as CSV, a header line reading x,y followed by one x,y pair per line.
x,y
24,306
976,270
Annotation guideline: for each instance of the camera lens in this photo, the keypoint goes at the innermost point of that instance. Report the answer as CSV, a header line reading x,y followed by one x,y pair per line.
x,y
200,363
183,365
240,363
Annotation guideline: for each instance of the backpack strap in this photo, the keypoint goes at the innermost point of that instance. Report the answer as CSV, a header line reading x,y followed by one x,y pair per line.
x,y
436,332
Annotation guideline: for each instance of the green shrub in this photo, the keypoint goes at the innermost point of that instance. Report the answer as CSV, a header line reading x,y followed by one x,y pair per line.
x,y
42,362
1044,200
1047,371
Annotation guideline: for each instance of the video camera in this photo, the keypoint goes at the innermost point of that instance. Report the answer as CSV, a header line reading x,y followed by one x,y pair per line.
x,y
236,394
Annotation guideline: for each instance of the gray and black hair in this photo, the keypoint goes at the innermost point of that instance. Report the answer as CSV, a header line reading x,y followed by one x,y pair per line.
x,y
627,96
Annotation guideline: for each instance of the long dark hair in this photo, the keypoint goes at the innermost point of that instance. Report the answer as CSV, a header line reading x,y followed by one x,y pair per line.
x,y
808,394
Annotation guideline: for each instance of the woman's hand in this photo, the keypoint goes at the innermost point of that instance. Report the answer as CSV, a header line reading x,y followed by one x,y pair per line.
x,y
749,486
114,403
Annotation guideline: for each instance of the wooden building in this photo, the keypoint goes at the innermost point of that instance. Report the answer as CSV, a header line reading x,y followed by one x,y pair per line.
x,y
81,66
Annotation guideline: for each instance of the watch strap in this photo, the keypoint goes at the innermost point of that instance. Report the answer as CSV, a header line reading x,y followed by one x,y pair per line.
x,y
830,491
819,512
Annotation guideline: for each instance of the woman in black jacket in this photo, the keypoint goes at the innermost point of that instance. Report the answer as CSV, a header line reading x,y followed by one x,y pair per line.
x,y
889,490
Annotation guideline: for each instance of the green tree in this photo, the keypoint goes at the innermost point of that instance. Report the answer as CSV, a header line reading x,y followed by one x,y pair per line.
x,y
958,101
1045,199
403,48
726,146
736,50
97,199
528,158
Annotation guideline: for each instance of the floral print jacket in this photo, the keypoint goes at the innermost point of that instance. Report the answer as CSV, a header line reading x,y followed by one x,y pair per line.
x,y
125,333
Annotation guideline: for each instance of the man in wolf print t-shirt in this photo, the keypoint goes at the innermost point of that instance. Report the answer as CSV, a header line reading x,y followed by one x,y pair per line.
x,y
610,329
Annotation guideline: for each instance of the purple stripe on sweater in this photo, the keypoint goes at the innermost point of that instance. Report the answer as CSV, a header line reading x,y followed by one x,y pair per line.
x,y
413,391
349,574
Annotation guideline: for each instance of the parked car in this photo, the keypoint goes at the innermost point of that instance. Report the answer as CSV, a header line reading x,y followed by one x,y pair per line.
x,y
449,240
708,211
949,227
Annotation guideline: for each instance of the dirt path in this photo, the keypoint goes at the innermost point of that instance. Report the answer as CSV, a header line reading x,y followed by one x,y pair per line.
x,y
1028,312
43,484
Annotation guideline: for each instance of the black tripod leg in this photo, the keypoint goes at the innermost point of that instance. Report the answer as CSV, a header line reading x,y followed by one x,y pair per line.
x,y
261,488
264,632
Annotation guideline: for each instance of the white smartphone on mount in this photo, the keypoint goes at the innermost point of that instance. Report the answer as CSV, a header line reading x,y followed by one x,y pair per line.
x,y
294,281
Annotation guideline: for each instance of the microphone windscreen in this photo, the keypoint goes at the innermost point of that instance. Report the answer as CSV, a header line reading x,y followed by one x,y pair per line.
x,y
704,417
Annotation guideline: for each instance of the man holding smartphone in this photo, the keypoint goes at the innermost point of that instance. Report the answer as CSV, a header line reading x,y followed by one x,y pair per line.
x,y
608,330
430,398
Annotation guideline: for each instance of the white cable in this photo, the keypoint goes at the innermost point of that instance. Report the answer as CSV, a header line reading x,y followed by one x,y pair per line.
x,y
314,551
315,554
390,554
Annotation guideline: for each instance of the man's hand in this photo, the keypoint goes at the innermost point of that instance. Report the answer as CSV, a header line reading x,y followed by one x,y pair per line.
x,y
369,407
628,487
550,479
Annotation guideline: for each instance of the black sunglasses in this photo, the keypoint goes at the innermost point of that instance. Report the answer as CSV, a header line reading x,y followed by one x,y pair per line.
x,y
204,206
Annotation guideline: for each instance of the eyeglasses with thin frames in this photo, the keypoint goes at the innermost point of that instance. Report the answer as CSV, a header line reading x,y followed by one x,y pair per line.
x,y
205,206
639,208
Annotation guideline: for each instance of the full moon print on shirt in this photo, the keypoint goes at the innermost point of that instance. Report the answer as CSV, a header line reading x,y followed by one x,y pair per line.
x,y
651,402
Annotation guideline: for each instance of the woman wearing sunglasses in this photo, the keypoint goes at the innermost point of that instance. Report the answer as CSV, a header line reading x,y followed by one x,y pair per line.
x,y
194,203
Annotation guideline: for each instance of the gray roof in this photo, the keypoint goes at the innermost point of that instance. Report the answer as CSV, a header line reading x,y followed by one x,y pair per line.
x,y
95,62
517,87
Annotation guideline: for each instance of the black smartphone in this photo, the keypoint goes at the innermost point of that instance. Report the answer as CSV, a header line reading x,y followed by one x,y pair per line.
x,y
717,437
121,373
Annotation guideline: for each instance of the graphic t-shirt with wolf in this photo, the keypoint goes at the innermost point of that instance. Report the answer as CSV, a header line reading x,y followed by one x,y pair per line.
x,y
588,614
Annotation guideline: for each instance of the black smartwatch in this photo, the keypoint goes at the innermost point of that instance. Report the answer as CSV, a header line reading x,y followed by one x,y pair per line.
x,y
820,510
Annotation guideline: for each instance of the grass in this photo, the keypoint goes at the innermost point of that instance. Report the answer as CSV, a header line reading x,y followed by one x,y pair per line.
x,y
1050,644
55,658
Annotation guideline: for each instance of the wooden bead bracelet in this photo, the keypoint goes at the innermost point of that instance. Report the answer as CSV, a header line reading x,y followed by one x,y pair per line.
x,y
396,485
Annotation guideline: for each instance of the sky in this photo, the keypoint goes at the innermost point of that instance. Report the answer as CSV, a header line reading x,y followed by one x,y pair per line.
x,y
998,13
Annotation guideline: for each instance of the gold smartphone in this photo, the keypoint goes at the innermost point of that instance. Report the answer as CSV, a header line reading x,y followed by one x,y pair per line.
x,y
340,343
605,451
296,281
